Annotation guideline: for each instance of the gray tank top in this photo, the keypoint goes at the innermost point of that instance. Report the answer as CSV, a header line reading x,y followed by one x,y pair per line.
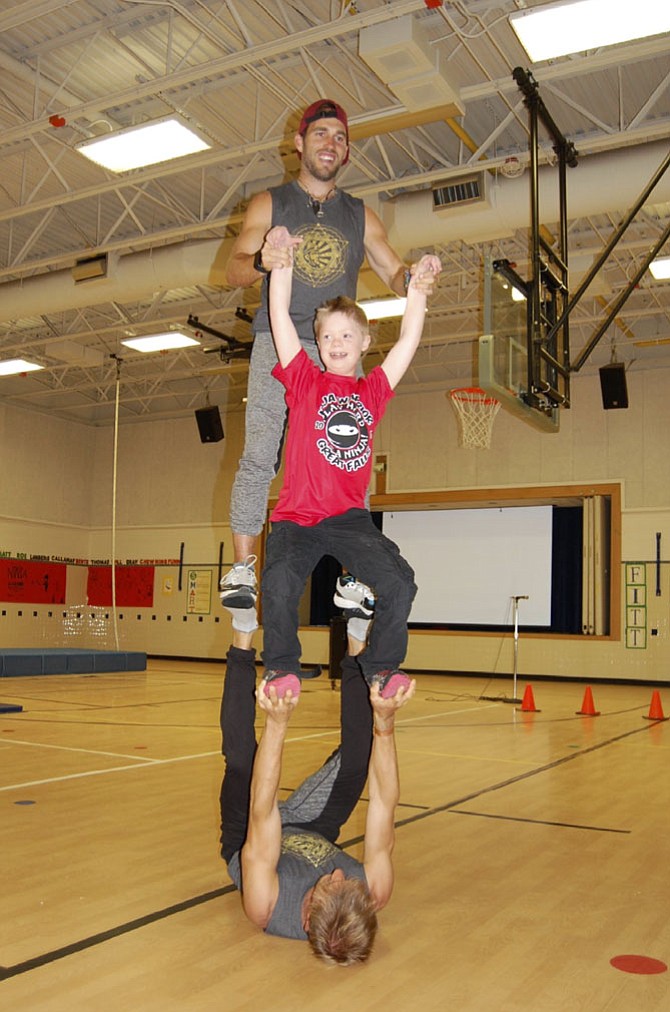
x,y
305,857
328,260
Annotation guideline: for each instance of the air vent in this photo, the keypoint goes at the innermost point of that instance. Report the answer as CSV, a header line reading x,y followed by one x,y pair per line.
x,y
90,268
396,49
467,190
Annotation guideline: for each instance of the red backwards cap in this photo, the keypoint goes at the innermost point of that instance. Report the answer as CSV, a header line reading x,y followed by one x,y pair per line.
x,y
323,109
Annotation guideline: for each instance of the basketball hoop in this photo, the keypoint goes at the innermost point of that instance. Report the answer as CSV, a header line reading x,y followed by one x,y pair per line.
x,y
476,412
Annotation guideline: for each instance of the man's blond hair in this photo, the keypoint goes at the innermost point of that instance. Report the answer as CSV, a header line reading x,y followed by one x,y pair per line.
x,y
343,924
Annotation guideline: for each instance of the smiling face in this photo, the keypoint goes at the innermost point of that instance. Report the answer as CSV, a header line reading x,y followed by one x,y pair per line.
x,y
341,341
323,148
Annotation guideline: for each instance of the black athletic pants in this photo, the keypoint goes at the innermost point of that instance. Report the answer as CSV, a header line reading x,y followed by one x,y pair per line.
x,y
238,711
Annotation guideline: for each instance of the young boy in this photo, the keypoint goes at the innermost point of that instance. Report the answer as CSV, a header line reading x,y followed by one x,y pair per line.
x,y
321,508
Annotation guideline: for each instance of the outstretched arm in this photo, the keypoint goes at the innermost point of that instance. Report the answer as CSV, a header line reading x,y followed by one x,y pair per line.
x,y
384,789
284,333
381,256
262,848
401,354
383,259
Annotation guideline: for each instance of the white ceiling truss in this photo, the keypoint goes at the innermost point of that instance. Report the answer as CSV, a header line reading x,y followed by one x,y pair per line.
x,y
241,72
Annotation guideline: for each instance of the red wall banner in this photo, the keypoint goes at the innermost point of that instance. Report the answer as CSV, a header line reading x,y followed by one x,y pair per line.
x,y
25,582
134,586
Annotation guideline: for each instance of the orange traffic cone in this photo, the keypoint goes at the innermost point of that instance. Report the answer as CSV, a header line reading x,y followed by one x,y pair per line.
x,y
655,708
588,709
528,702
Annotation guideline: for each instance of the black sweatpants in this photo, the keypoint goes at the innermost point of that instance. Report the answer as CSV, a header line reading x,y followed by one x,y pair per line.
x,y
292,552
344,773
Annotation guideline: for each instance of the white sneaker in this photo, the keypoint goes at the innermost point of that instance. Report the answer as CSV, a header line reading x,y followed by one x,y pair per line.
x,y
238,588
355,598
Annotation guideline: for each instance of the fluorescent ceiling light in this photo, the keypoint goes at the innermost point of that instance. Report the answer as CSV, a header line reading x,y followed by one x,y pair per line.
x,y
12,366
660,268
146,144
383,309
517,296
577,25
160,342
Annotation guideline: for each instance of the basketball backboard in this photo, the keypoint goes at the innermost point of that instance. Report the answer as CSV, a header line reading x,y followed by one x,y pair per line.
x,y
503,353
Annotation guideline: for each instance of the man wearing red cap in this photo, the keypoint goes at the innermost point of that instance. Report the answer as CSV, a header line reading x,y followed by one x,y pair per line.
x,y
338,232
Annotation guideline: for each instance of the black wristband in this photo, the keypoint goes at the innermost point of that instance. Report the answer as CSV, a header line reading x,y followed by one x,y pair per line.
x,y
406,278
258,263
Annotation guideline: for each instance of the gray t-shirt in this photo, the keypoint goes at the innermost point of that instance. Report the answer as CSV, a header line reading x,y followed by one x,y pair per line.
x,y
305,857
328,260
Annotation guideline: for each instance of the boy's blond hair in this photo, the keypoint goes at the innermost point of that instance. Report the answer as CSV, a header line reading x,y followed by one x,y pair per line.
x,y
340,304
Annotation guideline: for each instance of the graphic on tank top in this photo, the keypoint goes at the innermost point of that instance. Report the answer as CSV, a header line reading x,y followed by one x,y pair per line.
x,y
345,423
320,257
314,849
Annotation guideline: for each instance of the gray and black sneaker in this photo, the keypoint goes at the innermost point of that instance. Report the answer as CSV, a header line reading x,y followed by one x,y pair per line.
x,y
354,598
238,588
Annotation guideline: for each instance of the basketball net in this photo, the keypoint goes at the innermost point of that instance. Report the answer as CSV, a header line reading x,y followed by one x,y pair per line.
x,y
476,413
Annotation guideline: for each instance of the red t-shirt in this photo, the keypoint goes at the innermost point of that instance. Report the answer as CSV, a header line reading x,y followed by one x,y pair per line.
x,y
332,420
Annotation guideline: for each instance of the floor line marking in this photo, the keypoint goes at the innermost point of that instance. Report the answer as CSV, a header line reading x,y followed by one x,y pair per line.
x,y
104,936
146,763
462,755
73,748
523,776
140,761
541,822
406,720
451,713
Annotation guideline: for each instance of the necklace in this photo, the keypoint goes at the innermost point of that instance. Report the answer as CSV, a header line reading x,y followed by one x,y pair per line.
x,y
313,201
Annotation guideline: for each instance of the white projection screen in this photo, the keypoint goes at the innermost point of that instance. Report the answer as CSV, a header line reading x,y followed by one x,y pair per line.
x,y
470,563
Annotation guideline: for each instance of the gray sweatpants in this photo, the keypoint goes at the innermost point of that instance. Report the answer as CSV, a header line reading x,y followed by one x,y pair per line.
x,y
264,429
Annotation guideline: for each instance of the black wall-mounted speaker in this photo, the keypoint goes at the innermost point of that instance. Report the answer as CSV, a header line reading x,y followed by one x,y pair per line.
x,y
209,422
613,385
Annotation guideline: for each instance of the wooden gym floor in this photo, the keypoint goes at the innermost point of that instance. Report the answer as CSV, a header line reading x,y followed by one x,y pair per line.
x,y
532,848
